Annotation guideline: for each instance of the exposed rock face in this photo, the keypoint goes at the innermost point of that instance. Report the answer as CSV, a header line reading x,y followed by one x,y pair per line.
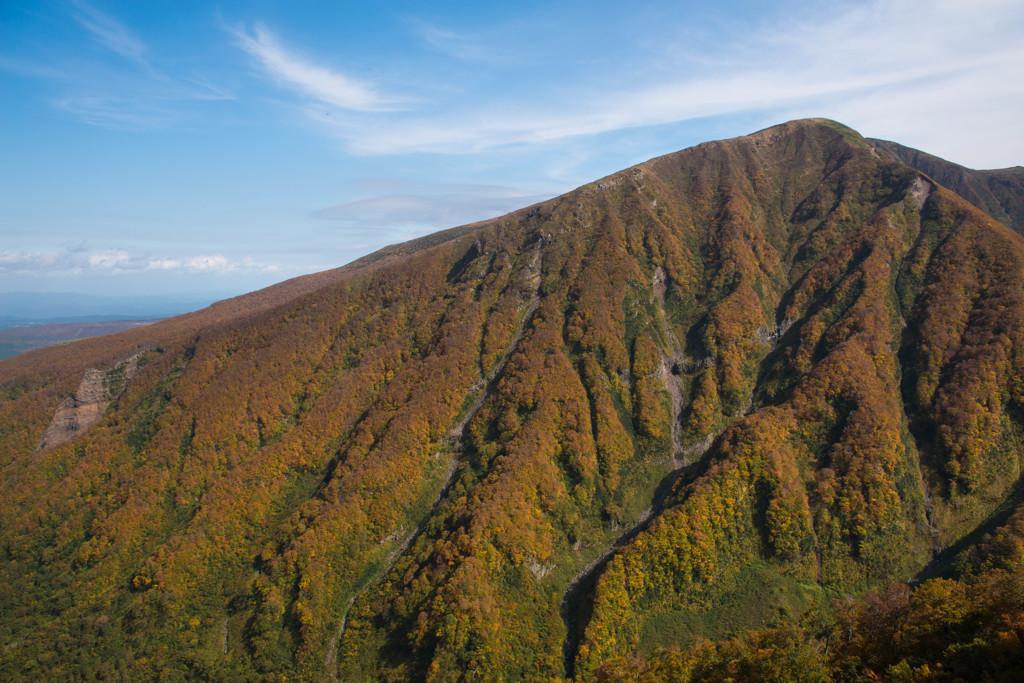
x,y
81,410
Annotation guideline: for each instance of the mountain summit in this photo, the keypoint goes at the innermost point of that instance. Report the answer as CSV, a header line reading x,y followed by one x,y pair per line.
x,y
703,395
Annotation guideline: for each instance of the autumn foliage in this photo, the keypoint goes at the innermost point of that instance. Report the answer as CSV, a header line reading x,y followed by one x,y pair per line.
x,y
698,397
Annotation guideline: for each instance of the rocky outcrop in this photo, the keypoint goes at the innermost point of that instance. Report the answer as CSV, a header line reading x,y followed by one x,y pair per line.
x,y
81,410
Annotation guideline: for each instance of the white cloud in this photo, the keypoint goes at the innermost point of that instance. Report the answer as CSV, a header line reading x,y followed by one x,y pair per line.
x,y
164,264
312,80
20,261
112,33
216,262
249,263
80,260
111,259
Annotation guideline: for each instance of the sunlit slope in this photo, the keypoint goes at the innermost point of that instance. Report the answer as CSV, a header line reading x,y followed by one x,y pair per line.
x,y
998,192
692,398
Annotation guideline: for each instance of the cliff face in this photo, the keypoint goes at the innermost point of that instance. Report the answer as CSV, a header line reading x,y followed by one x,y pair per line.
x,y
689,399
86,406
78,412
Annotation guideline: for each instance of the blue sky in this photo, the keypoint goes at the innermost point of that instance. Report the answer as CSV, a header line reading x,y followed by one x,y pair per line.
x,y
171,147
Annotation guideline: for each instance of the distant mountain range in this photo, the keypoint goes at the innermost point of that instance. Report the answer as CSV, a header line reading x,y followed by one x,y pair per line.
x,y
749,411
24,308
29,320
27,337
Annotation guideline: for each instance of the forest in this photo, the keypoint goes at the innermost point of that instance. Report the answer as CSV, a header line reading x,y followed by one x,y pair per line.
x,y
749,411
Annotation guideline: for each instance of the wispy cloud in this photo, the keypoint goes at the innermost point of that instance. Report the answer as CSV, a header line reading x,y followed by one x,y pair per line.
x,y
843,59
455,44
80,260
109,31
111,111
312,80
427,206
32,70
126,102
135,93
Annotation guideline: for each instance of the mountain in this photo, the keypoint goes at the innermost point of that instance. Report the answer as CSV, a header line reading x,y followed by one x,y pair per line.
x,y
1000,193
698,398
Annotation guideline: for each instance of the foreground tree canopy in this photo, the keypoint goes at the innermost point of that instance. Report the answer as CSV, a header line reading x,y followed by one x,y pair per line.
x,y
691,421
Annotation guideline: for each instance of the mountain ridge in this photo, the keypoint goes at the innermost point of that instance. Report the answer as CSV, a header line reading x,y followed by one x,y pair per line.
x,y
998,192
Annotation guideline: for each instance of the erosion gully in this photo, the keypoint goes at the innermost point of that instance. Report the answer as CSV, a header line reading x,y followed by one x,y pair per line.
x,y
578,599
452,446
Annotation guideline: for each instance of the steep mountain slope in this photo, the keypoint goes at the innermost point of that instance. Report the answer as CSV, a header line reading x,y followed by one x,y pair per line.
x,y
999,192
688,399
